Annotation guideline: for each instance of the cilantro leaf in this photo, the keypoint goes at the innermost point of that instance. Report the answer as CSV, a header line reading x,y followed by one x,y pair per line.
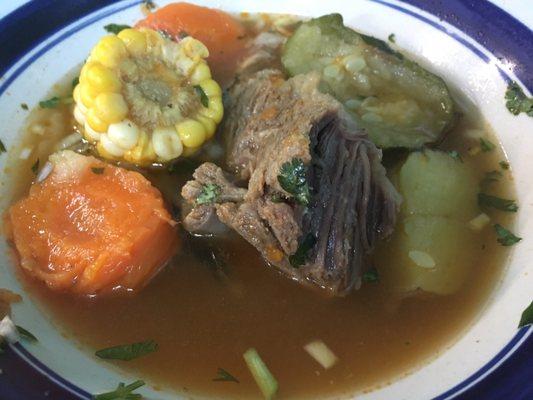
x,y
52,102
504,165
225,376
122,392
98,170
35,167
392,38
203,97
486,145
527,316
75,82
25,334
491,177
455,155
517,102
209,194
293,179
24,106
505,237
371,275
127,352
149,4
2,147
300,255
498,203
116,28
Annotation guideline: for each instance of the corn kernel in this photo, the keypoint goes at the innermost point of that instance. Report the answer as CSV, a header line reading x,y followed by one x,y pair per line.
x,y
79,115
215,110
211,88
192,133
110,147
194,48
102,78
110,50
94,121
90,134
103,152
124,134
87,94
111,107
209,125
134,40
76,93
167,144
200,73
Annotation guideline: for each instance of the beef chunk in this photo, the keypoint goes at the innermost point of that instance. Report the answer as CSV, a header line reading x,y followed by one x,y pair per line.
x,y
271,122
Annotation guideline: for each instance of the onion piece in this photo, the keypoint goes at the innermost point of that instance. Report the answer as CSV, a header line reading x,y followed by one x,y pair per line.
x,y
262,376
321,353
25,153
44,172
8,330
69,141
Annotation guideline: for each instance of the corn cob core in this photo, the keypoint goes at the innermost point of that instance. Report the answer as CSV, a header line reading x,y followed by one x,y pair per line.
x,y
146,99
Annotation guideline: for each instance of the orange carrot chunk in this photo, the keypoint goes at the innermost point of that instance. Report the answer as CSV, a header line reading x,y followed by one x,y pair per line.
x,y
92,228
220,32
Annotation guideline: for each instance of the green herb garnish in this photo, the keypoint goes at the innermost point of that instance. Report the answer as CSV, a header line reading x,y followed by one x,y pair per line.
x,y
527,316
498,203
116,28
24,106
392,38
2,147
225,376
149,4
209,194
486,145
504,165
505,237
55,101
127,352
371,276
203,97
122,392
25,334
75,82
292,178
35,167
455,155
300,255
517,102
98,170
491,177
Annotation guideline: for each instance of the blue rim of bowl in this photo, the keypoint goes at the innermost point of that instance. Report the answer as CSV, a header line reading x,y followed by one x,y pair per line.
x,y
502,35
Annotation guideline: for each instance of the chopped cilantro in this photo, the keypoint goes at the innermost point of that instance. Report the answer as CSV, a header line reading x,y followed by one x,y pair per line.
x,y
455,155
527,316
25,334
209,194
486,200
491,177
486,145
371,275
392,38
225,376
75,82
122,392
116,28
127,352
292,178
300,255
504,165
2,147
35,167
149,4
98,170
24,106
50,103
517,102
203,97
505,237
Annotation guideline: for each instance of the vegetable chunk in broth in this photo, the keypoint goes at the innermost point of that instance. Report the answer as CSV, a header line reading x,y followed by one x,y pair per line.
x,y
221,318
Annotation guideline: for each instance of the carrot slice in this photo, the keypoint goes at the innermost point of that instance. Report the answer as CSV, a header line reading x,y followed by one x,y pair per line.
x,y
92,228
220,32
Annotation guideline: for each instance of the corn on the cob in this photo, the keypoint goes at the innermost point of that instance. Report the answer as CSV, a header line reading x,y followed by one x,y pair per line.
x,y
146,99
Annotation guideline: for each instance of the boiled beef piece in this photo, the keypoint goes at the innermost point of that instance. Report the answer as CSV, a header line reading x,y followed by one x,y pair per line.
x,y
274,126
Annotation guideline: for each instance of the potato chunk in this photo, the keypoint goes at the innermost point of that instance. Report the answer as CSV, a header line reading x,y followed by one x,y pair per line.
x,y
91,228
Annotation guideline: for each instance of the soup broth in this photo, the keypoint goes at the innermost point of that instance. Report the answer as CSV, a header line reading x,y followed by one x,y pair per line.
x,y
205,314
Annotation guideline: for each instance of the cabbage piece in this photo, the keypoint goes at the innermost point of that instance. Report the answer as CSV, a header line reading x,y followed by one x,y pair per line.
x,y
397,101
434,183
